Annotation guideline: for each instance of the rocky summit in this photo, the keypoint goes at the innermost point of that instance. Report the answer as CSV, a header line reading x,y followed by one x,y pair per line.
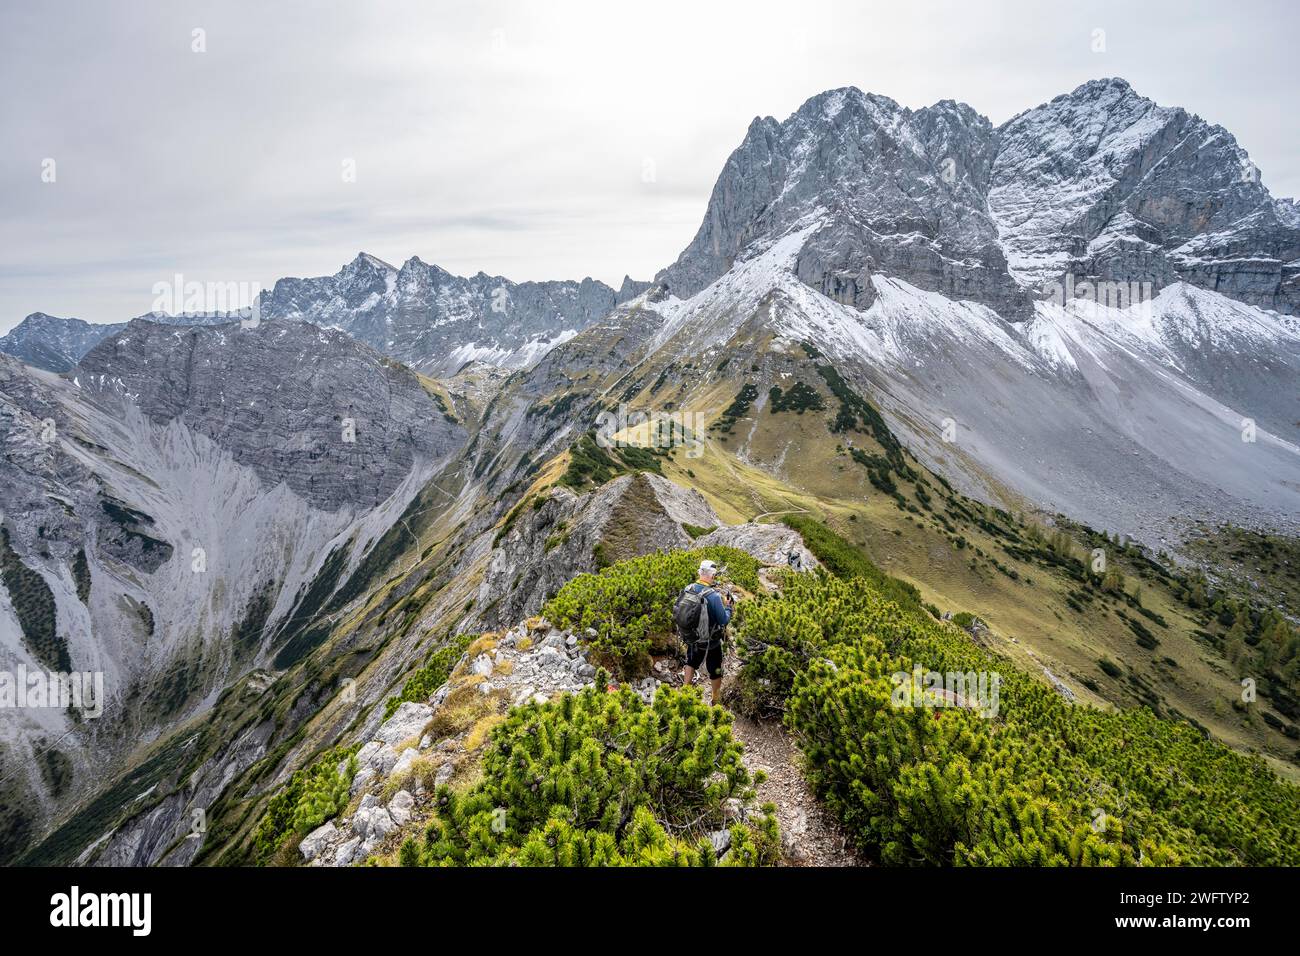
x,y
1100,182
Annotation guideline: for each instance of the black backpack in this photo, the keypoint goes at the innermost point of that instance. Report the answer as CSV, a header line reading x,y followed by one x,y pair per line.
x,y
691,615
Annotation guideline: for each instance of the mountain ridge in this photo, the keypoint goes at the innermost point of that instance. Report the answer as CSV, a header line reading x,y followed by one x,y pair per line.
x,y
980,207
1099,183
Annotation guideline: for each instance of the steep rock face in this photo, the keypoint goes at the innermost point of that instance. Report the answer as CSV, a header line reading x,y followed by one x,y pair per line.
x,y
436,321
1100,183
569,534
1104,183
167,504
165,834
310,407
891,191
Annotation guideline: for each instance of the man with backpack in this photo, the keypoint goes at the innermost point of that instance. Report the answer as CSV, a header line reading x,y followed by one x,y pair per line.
x,y
701,615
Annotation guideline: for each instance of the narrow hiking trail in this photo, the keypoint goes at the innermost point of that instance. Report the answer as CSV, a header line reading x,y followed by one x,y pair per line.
x,y
810,836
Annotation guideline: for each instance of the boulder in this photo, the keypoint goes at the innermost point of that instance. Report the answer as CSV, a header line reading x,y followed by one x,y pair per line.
x,y
376,756
313,843
399,808
361,780
404,760
721,840
347,852
373,823
409,721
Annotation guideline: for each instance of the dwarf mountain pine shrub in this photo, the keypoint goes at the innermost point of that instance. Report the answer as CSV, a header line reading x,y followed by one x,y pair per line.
x,y
421,684
1040,782
313,795
601,779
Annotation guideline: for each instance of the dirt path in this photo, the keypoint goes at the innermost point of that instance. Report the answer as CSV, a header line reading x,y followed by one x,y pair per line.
x,y
809,835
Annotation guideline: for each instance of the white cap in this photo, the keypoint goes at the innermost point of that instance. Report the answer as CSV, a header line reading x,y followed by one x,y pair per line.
x,y
708,567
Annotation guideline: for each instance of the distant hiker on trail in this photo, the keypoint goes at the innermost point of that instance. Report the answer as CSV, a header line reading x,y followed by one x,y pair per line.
x,y
701,615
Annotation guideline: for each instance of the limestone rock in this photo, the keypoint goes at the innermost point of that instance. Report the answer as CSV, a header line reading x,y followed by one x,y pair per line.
x,y
314,842
407,721
399,808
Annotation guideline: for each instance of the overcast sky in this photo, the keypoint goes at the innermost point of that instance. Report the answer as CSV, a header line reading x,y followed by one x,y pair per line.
x,y
536,140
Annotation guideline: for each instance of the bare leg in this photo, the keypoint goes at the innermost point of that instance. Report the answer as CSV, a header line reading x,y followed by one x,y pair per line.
x,y
717,691
688,675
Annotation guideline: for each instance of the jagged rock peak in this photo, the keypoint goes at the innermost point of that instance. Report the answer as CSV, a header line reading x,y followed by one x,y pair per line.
x,y
1101,183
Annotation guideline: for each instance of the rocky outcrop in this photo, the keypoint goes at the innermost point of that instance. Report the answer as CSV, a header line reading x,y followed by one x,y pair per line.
x,y
772,544
564,534
334,420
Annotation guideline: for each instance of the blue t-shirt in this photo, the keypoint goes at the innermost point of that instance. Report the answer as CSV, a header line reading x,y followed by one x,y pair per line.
x,y
719,616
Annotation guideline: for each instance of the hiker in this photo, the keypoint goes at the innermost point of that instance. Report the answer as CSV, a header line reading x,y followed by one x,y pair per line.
x,y
701,615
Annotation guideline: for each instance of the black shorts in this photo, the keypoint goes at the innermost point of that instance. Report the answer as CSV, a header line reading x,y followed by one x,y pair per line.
x,y
697,655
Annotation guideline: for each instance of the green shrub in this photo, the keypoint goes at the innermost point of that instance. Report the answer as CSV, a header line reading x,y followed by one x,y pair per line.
x,y
33,604
798,399
845,560
422,683
737,410
589,464
601,779
312,796
1039,782
629,604
81,574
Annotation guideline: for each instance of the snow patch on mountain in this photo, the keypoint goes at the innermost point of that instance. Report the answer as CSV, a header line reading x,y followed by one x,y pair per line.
x,y
525,356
